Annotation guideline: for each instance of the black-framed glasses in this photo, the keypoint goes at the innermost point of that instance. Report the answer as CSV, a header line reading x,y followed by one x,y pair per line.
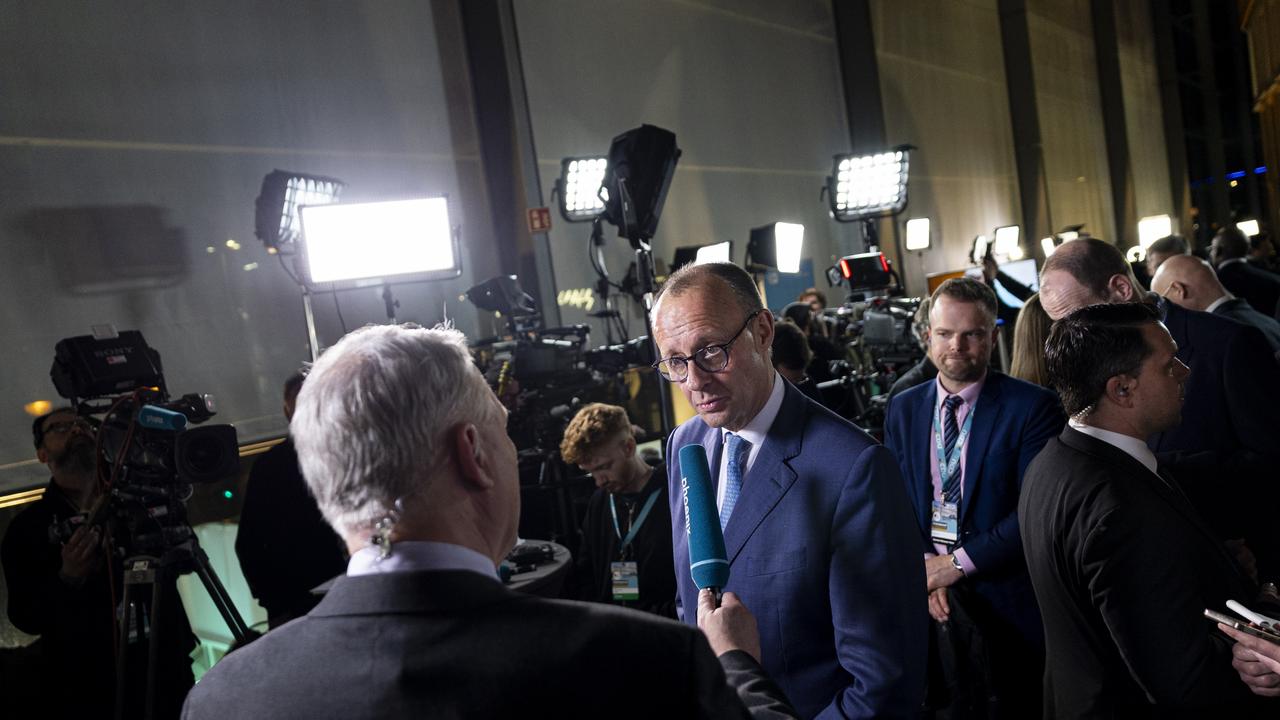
x,y
712,358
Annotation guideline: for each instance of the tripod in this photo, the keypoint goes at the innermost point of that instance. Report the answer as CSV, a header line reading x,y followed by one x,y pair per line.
x,y
143,570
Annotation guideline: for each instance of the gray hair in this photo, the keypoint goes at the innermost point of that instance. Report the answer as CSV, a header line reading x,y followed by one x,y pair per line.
x,y
371,419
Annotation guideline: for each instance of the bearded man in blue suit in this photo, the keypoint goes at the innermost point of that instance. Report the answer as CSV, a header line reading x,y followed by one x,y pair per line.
x,y
963,443
818,528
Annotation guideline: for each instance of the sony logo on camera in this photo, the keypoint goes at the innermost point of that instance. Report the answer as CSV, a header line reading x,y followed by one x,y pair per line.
x,y
114,355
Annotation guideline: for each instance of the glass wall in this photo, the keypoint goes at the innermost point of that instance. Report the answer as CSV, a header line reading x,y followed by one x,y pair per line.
x,y
134,140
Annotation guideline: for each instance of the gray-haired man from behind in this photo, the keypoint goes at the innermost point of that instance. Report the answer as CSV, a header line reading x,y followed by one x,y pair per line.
x,y
406,451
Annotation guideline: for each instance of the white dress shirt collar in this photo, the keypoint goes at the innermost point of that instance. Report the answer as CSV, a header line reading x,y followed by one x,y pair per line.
x,y
419,555
1131,446
1214,305
756,430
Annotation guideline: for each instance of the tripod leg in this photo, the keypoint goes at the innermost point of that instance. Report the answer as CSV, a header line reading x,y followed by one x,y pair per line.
x,y
122,648
153,647
218,594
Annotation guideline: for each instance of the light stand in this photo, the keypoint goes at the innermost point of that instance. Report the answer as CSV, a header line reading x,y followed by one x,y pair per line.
x,y
648,287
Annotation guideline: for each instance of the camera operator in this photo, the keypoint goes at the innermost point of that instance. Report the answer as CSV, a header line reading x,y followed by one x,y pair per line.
x,y
625,557
65,588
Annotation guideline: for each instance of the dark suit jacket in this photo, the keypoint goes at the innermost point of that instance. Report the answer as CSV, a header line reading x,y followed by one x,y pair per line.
x,y
1242,312
284,545
921,372
822,550
1259,287
1123,568
453,644
1013,422
1231,395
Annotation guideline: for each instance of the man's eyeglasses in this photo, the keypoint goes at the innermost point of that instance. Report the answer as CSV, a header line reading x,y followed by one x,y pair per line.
x,y
66,426
712,358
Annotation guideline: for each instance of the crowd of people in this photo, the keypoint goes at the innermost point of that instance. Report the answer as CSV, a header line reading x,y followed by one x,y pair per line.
x,y
1037,543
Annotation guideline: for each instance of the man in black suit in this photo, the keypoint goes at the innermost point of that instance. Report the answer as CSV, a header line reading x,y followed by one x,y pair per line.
x,y
1226,441
1121,563
406,451
1260,288
1191,283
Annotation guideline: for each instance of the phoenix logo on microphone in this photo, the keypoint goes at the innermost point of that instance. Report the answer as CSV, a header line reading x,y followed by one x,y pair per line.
x,y
684,492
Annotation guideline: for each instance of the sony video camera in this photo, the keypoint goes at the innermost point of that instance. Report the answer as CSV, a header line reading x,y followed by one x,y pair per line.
x,y
148,458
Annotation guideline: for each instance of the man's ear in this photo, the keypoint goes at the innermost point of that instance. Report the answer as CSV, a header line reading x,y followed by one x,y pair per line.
x,y
469,453
764,328
1120,390
1120,289
42,455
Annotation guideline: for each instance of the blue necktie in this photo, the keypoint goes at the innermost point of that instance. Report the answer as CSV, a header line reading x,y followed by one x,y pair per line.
x,y
736,450
950,433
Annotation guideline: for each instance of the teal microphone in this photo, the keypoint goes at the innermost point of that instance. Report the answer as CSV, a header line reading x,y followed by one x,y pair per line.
x,y
708,562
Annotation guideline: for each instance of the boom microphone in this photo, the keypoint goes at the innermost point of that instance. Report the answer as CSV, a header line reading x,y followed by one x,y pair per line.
x,y
708,562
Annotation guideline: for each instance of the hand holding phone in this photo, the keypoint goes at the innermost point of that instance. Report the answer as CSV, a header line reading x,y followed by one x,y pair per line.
x,y
1248,629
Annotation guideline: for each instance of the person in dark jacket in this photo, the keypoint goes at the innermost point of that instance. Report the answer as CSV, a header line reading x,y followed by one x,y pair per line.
x,y
67,590
625,555
284,545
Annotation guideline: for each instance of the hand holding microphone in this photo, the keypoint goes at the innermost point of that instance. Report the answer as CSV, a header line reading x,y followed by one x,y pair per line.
x,y
708,562
730,626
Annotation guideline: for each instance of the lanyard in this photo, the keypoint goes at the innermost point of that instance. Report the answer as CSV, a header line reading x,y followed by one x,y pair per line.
x,y
635,526
947,465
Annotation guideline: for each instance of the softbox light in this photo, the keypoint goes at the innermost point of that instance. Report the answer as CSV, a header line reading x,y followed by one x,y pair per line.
x,y
699,254
776,245
358,244
640,167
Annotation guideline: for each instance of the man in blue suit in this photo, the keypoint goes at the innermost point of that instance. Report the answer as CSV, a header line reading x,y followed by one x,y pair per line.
x,y
817,525
963,442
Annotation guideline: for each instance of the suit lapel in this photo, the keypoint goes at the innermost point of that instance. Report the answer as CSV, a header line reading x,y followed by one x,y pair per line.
x,y
987,409
920,435
1158,485
770,476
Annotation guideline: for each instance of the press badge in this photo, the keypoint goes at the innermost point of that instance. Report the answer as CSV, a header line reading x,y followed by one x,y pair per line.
x,y
945,528
626,580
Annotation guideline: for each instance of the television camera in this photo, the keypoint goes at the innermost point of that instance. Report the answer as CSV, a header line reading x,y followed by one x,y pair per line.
x,y
874,327
148,461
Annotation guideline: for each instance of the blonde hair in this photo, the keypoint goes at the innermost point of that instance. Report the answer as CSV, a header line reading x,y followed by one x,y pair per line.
x,y
1029,335
593,426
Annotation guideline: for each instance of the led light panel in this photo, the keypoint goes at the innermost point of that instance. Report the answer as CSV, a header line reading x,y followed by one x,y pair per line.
x,y
400,240
868,186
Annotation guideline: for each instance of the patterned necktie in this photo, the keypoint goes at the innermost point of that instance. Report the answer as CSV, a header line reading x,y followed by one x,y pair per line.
x,y
950,433
736,450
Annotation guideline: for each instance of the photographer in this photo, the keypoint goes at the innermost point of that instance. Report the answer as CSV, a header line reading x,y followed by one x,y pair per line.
x,y
63,582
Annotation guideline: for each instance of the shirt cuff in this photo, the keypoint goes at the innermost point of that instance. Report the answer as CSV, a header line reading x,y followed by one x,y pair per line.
x,y
965,562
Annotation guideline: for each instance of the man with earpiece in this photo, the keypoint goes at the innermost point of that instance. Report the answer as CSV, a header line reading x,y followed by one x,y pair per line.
x,y
1121,562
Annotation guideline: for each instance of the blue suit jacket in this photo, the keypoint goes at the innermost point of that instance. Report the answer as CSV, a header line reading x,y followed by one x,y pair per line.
x,y
1013,421
823,551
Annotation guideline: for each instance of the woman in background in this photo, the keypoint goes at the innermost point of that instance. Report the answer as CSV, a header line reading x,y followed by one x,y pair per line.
x,y
1029,334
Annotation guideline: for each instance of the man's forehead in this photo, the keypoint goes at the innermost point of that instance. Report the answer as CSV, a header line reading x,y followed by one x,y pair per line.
x,y
58,416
